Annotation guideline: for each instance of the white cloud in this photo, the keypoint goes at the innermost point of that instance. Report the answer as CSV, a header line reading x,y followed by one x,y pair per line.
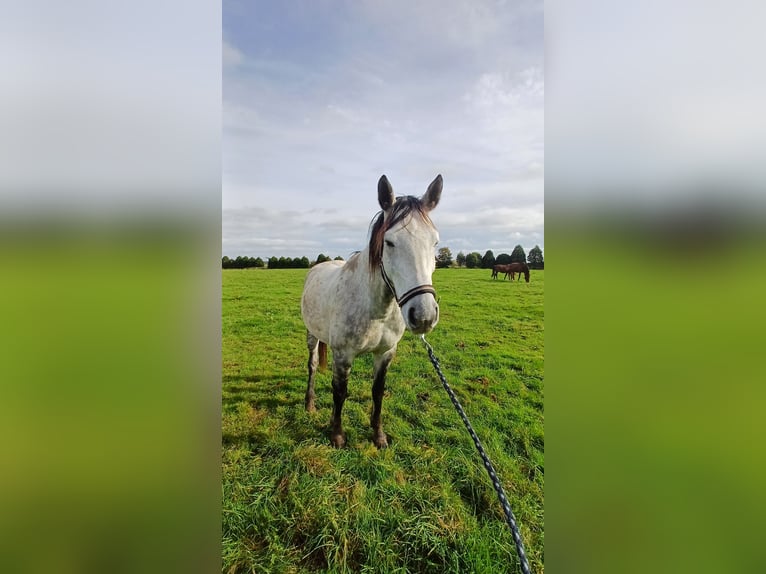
x,y
231,56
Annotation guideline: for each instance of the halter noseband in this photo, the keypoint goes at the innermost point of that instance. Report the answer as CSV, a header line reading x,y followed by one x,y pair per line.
x,y
414,292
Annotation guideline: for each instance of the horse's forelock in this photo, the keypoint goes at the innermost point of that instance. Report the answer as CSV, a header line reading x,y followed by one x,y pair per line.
x,y
403,206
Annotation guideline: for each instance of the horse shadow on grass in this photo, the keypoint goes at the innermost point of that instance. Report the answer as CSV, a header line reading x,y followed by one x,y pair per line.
x,y
268,408
278,404
260,392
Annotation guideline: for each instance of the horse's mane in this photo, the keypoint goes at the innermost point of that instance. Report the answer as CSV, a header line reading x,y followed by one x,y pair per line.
x,y
403,207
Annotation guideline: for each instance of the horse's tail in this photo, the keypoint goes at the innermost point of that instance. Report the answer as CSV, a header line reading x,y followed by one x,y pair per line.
x,y
322,356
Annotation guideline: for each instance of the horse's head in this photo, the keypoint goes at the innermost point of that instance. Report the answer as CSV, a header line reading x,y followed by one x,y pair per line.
x,y
402,244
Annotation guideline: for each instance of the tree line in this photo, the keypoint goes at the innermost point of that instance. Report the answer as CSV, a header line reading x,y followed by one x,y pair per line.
x,y
243,262
444,259
475,259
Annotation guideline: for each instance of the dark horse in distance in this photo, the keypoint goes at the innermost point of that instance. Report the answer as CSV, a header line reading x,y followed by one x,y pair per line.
x,y
501,269
518,268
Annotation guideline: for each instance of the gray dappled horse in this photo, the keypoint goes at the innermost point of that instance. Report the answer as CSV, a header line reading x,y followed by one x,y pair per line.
x,y
364,305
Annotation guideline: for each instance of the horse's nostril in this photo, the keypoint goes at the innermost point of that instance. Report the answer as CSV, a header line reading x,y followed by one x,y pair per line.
x,y
411,314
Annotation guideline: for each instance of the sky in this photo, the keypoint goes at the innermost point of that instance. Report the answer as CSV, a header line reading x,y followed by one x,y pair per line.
x,y
321,98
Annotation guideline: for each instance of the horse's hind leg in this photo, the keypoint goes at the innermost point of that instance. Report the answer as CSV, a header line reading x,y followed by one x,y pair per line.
x,y
378,387
313,343
340,370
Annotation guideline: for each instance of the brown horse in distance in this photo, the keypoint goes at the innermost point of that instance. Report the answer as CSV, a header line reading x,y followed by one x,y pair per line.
x,y
519,268
501,269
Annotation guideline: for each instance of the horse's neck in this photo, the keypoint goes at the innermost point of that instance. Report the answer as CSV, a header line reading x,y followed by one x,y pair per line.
x,y
372,285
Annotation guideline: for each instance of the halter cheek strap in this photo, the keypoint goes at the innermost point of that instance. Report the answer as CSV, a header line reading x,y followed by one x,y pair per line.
x,y
414,292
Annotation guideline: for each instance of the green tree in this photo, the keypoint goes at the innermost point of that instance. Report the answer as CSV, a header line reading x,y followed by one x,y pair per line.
x,y
535,258
303,263
460,259
339,258
273,263
503,259
473,260
518,255
444,258
321,258
488,261
259,262
226,262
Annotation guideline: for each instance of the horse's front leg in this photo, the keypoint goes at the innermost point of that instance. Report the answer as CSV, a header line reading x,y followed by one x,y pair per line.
x,y
378,387
341,367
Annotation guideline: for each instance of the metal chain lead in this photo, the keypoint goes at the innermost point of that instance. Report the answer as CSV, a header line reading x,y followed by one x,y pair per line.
x,y
511,519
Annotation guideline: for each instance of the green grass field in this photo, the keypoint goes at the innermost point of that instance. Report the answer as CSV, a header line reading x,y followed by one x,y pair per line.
x,y
291,503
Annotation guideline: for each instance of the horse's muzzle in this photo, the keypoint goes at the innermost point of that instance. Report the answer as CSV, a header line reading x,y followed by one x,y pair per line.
x,y
422,313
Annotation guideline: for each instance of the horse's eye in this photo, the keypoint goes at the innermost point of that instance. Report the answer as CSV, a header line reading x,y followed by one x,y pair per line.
x,y
389,243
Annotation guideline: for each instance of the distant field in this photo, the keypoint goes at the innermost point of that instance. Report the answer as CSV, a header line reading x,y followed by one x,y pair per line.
x,y
291,503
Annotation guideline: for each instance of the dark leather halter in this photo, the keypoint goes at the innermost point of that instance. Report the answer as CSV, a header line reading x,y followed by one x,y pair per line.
x,y
414,292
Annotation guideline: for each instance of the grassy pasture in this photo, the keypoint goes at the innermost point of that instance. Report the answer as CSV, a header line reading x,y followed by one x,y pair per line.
x,y
291,503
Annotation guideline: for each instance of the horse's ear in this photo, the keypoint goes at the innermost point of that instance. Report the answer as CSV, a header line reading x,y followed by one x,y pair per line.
x,y
433,193
385,193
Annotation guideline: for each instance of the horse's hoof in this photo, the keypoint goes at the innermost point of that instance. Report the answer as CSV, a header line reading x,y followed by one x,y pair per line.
x,y
338,440
380,441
